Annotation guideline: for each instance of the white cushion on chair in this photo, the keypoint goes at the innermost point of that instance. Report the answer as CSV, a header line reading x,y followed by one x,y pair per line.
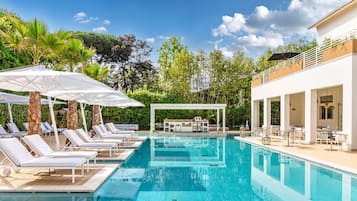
x,y
15,151
38,145
53,162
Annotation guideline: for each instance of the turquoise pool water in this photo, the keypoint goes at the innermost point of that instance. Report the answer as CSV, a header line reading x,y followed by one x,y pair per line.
x,y
212,169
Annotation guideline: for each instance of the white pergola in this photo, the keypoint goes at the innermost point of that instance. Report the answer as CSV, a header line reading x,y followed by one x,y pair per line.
x,y
217,107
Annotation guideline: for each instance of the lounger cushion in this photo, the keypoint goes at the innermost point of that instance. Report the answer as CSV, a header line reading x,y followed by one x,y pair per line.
x,y
99,145
85,137
15,151
74,154
54,162
38,145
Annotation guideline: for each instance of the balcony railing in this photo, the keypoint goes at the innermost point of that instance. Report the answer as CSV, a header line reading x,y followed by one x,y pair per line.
x,y
329,49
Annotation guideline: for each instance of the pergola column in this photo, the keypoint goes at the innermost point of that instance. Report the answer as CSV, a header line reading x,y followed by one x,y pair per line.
x,y
152,119
284,112
267,113
224,119
218,120
310,116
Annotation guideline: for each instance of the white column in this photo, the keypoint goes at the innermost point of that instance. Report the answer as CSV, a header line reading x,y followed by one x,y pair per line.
x,y
254,115
284,112
267,113
282,172
218,120
310,116
53,120
152,119
224,119
83,117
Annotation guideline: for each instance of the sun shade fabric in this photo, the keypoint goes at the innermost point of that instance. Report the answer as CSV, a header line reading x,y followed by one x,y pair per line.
x,y
21,100
44,81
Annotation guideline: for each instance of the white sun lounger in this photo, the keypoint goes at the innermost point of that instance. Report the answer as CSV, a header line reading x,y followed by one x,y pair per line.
x,y
41,148
77,142
108,135
50,128
86,138
17,154
4,133
111,128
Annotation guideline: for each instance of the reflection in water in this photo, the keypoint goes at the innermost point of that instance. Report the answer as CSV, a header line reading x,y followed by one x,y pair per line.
x,y
212,169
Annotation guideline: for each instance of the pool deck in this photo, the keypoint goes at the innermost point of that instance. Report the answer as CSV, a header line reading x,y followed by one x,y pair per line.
x,y
317,153
59,181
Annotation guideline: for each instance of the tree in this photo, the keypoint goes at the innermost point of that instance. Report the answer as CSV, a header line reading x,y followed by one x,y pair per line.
x,y
167,52
99,73
32,38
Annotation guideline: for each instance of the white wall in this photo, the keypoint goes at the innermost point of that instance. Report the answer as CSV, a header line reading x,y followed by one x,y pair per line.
x,y
337,99
297,109
337,72
338,25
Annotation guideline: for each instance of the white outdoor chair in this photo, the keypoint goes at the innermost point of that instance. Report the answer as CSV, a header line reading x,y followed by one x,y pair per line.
x,y
4,133
50,128
111,128
107,135
41,148
20,158
86,138
77,142
12,127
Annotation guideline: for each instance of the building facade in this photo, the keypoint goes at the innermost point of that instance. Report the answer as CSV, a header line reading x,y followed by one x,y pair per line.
x,y
317,88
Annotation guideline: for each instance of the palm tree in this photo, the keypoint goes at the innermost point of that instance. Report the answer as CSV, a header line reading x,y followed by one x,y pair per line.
x,y
99,73
34,39
75,56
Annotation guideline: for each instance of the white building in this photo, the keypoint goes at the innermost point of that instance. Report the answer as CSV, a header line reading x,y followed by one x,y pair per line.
x,y
317,88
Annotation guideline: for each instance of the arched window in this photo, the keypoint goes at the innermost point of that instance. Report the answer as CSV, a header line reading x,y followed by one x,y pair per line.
x,y
330,112
322,112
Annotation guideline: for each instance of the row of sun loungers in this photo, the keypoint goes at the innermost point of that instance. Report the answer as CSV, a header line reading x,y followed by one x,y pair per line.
x,y
47,158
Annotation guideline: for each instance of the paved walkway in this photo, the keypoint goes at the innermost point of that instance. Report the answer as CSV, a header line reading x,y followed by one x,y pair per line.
x,y
318,153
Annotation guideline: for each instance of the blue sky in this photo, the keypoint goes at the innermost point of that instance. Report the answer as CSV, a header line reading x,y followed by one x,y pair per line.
x,y
228,25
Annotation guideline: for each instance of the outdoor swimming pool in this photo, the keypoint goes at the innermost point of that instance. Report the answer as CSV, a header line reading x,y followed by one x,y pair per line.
x,y
199,168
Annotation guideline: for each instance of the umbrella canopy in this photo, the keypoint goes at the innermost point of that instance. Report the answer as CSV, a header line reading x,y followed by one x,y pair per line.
x,y
32,79
21,100
113,98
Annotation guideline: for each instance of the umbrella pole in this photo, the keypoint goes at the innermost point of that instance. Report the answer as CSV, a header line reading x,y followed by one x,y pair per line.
x,y
53,120
83,117
10,112
101,116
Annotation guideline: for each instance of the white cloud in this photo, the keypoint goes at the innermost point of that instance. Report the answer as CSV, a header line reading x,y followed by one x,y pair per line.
x,y
100,29
107,22
267,40
83,18
269,28
164,37
230,25
226,52
79,16
150,40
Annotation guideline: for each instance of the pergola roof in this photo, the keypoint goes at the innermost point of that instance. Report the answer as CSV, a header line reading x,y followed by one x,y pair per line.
x,y
187,106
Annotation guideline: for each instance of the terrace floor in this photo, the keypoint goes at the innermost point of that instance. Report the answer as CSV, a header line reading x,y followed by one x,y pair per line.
x,y
318,153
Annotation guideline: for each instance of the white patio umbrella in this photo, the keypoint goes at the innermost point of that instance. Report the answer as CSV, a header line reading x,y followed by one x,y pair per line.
x,y
101,98
11,99
37,79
